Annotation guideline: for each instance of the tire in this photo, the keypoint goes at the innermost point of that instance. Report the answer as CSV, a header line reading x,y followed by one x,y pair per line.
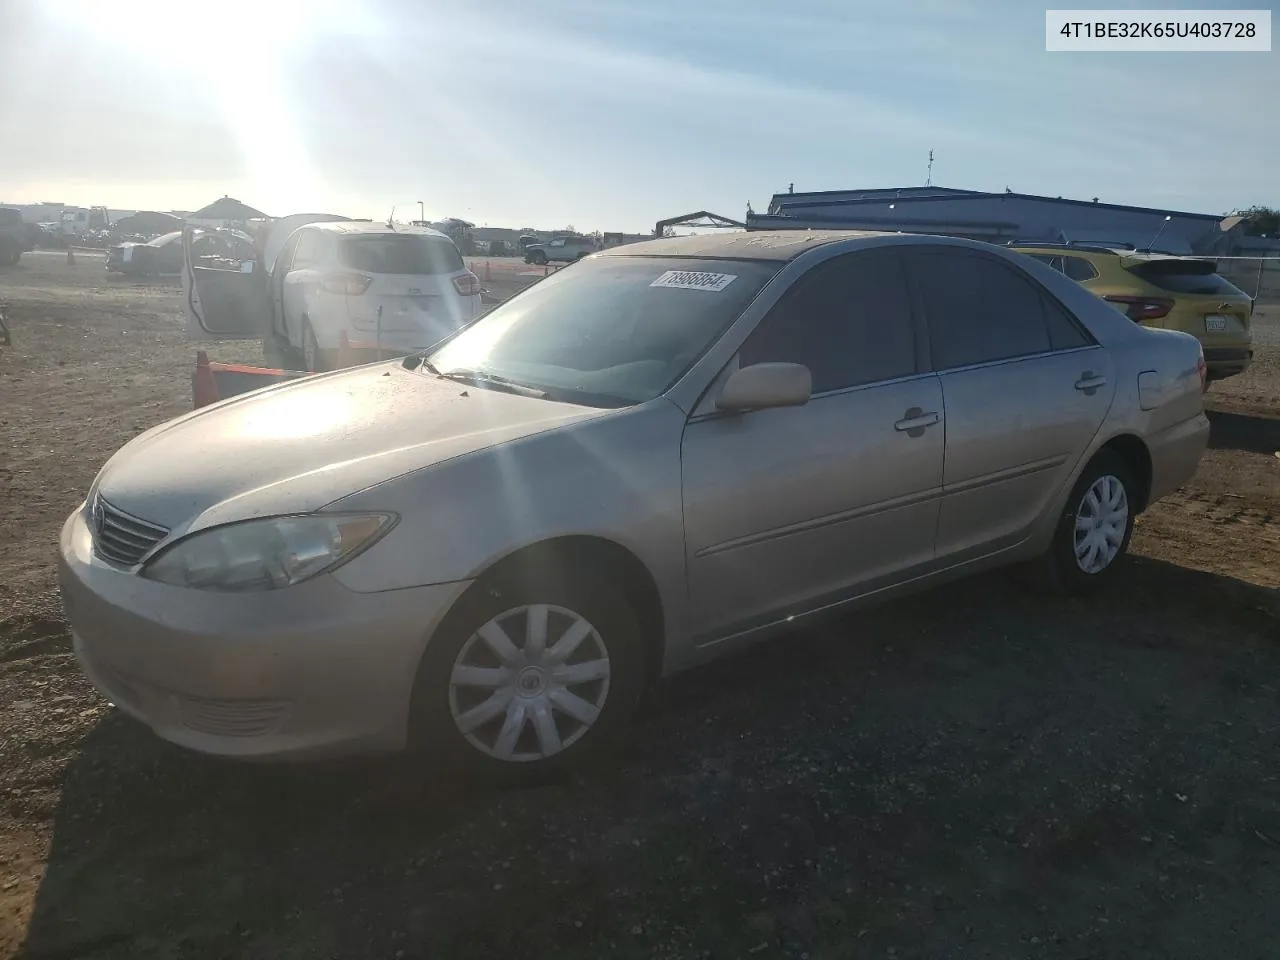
x,y
538,258
1071,566
278,353
536,725
313,358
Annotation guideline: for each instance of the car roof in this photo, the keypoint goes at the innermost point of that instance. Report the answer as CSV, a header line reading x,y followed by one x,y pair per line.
x,y
775,245
357,227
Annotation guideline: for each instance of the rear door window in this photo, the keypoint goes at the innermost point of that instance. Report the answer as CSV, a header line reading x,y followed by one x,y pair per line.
x,y
848,320
400,253
978,309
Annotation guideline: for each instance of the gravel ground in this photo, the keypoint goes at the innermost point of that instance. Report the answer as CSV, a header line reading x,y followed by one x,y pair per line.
x,y
980,771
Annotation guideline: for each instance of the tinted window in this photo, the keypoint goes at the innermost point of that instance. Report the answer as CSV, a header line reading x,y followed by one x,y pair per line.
x,y
1187,276
848,320
1064,331
611,331
1055,261
400,253
979,310
1078,269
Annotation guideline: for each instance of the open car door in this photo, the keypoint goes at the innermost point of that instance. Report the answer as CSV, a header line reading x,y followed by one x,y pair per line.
x,y
225,302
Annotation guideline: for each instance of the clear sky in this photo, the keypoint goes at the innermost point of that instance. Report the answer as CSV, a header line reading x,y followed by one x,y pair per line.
x,y
607,114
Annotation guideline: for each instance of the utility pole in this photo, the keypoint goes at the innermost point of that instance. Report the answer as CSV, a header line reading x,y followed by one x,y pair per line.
x,y
928,180
422,215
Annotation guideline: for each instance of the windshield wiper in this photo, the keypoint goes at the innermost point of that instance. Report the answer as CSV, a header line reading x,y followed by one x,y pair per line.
x,y
484,378
415,360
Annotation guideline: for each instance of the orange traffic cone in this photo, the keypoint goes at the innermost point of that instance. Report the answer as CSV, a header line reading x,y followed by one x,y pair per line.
x,y
345,359
546,269
204,389
71,257
488,272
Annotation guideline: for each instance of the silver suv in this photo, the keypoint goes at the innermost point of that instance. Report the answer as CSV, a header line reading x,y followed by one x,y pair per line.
x,y
566,249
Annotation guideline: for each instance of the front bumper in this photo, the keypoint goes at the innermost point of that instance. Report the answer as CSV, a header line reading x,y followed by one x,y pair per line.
x,y
310,670
1226,361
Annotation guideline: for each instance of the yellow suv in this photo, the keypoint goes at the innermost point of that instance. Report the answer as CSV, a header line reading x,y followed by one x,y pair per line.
x,y
1160,290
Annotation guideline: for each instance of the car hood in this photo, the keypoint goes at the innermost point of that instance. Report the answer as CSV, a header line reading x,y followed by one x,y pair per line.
x,y
296,447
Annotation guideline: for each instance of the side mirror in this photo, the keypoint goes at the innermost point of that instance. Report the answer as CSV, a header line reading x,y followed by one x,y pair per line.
x,y
764,385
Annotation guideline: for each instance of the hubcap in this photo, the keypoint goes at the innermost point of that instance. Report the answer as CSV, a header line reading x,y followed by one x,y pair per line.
x,y
529,683
1101,520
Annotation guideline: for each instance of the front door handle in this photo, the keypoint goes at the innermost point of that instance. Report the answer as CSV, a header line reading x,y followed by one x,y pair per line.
x,y
914,422
1089,382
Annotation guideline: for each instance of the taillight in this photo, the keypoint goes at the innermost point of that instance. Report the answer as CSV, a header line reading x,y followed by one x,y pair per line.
x,y
347,284
467,285
1143,308
1203,371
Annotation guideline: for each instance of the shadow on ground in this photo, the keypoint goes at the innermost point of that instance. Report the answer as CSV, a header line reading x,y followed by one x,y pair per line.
x,y
1238,431
977,771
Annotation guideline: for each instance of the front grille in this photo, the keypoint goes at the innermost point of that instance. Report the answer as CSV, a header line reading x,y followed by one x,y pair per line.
x,y
233,718
119,537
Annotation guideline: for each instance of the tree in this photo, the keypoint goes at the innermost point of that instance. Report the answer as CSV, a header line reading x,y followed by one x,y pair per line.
x,y
1260,221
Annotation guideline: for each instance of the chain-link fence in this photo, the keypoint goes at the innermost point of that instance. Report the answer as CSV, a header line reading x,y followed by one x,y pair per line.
x,y
1257,276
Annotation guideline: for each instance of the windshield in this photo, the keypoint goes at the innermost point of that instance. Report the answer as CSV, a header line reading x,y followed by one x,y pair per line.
x,y
610,331
400,253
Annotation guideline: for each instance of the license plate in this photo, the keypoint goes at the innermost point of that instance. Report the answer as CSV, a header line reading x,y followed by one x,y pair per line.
x,y
1215,323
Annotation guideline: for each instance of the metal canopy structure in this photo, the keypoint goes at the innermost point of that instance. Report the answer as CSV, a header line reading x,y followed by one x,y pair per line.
x,y
703,218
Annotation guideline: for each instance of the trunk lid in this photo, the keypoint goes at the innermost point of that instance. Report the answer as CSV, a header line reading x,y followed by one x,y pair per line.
x,y
1205,304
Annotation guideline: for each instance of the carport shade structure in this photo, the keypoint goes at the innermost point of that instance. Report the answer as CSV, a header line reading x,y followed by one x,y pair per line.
x,y
228,208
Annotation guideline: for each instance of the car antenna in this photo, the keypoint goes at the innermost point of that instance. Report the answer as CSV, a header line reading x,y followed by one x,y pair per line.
x,y
1164,224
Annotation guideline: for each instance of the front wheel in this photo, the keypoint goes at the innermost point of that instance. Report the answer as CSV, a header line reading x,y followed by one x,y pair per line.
x,y
1094,530
528,677
538,258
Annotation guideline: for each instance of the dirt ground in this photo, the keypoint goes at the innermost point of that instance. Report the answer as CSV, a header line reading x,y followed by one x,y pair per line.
x,y
978,772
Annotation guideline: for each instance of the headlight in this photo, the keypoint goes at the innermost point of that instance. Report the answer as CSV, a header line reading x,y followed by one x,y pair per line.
x,y
266,554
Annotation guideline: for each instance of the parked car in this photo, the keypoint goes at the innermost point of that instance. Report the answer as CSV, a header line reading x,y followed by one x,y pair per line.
x,y
389,290
1169,292
493,548
565,249
162,256
153,258
14,237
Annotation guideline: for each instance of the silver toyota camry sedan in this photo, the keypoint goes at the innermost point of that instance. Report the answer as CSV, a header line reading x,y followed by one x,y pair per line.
x,y
666,450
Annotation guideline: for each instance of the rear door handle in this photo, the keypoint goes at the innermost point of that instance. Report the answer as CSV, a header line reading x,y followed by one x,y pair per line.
x,y
915,421
1090,381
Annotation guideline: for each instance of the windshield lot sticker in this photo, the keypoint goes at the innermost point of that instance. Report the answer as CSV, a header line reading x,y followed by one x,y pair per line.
x,y
693,280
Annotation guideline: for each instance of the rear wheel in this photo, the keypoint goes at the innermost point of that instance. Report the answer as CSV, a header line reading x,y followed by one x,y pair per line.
x,y
1093,533
525,678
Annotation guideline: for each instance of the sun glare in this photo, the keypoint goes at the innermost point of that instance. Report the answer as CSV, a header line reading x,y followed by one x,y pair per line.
x,y
190,30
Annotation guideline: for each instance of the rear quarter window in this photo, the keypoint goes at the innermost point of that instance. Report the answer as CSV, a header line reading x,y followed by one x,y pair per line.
x,y
1078,269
